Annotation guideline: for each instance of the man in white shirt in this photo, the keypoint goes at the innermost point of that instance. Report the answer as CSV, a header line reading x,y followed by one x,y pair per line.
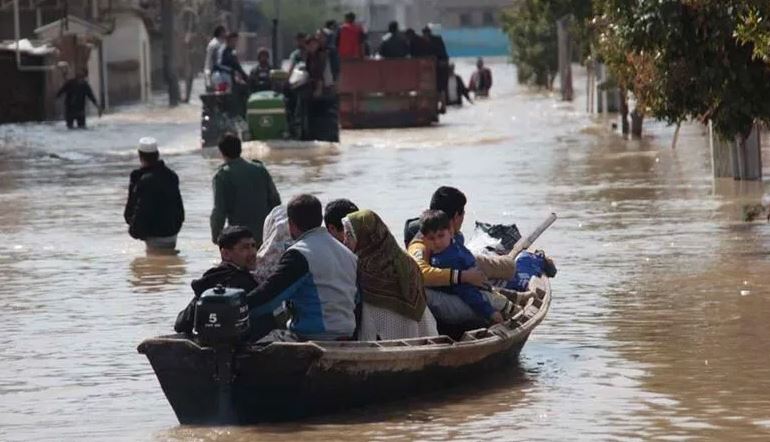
x,y
212,55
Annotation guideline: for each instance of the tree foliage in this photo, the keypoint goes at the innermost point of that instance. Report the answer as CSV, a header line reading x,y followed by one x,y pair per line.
x,y
686,59
754,28
531,28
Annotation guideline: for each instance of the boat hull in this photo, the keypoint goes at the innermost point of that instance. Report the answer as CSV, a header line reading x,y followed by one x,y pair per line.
x,y
283,381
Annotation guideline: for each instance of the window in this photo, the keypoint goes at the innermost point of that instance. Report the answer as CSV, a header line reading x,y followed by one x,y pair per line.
x,y
466,19
488,19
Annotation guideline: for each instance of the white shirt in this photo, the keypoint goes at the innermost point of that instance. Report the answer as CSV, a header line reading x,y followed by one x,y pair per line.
x,y
212,54
452,89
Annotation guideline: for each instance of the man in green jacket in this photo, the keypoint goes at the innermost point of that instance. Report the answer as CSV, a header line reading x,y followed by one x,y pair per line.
x,y
244,192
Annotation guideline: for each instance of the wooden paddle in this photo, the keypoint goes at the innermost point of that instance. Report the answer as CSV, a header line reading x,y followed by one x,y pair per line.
x,y
526,241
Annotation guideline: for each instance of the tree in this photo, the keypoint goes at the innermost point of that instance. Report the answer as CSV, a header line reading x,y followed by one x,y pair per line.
x,y
682,60
754,28
531,28
296,16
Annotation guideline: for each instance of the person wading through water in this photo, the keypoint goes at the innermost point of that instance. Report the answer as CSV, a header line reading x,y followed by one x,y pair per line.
x,y
244,192
154,210
75,92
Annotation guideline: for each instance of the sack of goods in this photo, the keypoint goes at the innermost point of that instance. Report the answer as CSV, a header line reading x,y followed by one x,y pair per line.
x,y
299,76
530,264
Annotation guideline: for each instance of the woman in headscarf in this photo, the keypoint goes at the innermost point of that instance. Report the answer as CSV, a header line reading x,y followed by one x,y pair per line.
x,y
275,240
390,283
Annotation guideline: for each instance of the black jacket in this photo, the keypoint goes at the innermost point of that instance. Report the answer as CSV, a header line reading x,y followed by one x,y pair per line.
x,y
395,46
438,48
229,63
259,79
75,92
227,275
154,207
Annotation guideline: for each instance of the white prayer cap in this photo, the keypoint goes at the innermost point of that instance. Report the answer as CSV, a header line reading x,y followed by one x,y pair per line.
x,y
148,145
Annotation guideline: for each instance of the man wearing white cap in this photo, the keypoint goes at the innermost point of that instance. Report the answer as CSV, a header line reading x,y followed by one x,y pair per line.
x,y
154,210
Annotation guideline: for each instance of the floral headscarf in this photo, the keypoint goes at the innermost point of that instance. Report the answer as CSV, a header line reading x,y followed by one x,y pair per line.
x,y
387,276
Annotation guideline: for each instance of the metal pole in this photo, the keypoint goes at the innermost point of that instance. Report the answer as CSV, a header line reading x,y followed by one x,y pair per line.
x,y
169,51
277,40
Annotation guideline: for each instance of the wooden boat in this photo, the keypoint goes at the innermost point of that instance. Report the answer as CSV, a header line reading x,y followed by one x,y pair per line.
x,y
281,381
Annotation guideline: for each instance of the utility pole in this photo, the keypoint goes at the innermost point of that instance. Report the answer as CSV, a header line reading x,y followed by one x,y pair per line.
x,y
277,40
169,51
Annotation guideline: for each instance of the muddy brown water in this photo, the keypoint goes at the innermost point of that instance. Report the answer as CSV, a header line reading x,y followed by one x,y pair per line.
x,y
659,326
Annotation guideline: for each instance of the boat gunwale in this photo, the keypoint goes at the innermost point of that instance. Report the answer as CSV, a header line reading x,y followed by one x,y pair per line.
x,y
505,331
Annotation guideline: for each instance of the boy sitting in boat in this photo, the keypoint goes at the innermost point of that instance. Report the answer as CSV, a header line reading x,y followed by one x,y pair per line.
x,y
447,252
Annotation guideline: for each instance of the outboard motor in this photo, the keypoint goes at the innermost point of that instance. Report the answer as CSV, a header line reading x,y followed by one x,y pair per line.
x,y
221,322
221,316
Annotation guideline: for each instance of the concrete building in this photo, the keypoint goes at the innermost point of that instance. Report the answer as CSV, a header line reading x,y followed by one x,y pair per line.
x,y
128,58
90,35
376,14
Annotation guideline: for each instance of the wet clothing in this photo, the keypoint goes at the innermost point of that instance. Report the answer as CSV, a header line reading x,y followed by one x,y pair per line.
x,y
227,275
481,82
244,193
70,118
75,92
350,41
456,90
259,79
458,257
317,278
394,45
154,207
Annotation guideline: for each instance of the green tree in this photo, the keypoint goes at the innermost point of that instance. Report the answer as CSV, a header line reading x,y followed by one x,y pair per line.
x,y
754,28
531,28
684,59
297,16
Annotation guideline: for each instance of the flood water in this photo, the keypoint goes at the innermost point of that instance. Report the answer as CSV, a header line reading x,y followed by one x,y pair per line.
x,y
659,326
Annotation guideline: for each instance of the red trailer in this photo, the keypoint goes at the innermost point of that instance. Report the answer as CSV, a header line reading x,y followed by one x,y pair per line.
x,y
388,93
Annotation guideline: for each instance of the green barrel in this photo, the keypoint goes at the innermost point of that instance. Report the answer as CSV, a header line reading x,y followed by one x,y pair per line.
x,y
266,115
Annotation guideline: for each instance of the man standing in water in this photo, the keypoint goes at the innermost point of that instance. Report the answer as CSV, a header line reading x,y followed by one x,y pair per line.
x,y
481,81
154,209
75,92
244,192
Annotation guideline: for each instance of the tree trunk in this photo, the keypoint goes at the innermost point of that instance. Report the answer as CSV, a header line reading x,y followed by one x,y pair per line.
x,y
169,51
739,158
624,111
565,58
637,118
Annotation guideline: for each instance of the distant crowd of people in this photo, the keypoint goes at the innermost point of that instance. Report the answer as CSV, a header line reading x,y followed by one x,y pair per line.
x,y
323,274
314,64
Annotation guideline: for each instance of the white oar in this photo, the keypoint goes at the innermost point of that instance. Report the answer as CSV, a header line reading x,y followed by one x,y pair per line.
x,y
526,241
